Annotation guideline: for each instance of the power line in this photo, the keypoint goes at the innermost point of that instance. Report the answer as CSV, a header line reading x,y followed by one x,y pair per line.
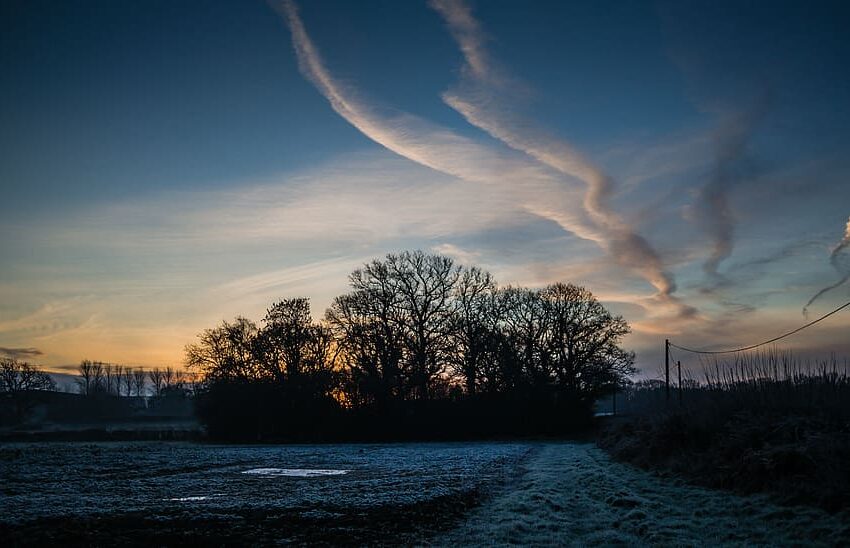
x,y
825,316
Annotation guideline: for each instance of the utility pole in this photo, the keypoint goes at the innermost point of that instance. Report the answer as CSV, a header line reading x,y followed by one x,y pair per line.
x,y
679,366
667,368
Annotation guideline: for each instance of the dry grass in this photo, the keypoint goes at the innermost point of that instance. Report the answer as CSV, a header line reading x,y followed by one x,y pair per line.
x,y
760,422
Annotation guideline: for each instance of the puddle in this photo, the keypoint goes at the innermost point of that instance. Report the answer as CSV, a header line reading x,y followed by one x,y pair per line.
x,y
295,472
193,498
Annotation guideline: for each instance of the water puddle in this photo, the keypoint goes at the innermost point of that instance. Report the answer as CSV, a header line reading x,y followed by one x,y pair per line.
x,y
295,472
193,498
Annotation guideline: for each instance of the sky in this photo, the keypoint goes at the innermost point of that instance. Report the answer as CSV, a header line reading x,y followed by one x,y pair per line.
x,y
167,165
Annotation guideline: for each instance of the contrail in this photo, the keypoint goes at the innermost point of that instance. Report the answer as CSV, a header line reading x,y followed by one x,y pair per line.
x,y
712,202
833,259
479,99
443,150
433,146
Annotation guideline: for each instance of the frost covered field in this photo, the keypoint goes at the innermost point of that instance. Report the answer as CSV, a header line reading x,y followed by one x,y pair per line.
x,y
572,493
540,493
163,492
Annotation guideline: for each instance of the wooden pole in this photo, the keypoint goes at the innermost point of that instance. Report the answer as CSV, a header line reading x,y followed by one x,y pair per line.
x,y
667,368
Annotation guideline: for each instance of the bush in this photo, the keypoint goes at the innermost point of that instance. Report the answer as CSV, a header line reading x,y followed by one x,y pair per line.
x,y
788,434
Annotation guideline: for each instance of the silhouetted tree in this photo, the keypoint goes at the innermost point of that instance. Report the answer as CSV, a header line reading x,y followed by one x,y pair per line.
x,y
474,320
524,327
416,337
139,382
368,331
278,377
282,344
17,376
157,378
424,285
193,380
112,379
91,378
19,381
227,352
582,341
126,381
170,378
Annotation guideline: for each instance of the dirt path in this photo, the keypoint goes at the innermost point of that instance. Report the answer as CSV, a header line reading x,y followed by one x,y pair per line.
x,y
572,493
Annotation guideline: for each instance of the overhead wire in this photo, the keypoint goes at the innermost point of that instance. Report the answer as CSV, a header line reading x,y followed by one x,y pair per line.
x,y
752,346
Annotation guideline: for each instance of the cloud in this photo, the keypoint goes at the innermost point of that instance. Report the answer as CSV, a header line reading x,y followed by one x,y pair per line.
x,y
740,274
785,252
439,148
481,100
176,262
645,158
20,353
843,270
50,317
733,165
457,253
357,201
524,180
292,277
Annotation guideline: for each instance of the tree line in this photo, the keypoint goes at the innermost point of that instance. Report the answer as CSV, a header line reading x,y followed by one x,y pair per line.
x,y
417,342
17,376
107,391
95,378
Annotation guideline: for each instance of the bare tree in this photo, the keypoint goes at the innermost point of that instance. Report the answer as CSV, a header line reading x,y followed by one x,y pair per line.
x,y
192,381
172,380
583,340
90,379
167,378
127,381
473,324
16,376
226,352
112,374
413,327
369,332
179,379
289,346
139,382
396,326
118,373
424,284
524,327
19,381
157,378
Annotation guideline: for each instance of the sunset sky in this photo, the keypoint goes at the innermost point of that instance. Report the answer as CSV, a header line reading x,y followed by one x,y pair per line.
x,y
167,165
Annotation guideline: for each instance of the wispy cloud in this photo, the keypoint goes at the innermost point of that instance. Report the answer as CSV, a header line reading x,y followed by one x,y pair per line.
x,y
173,263
49,317
20,353
287,279
787,251
439,148
733,165
480,99
457,253
843,270
525,181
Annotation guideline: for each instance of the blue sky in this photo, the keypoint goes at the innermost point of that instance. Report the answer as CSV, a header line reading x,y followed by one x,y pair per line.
x,y
167,165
